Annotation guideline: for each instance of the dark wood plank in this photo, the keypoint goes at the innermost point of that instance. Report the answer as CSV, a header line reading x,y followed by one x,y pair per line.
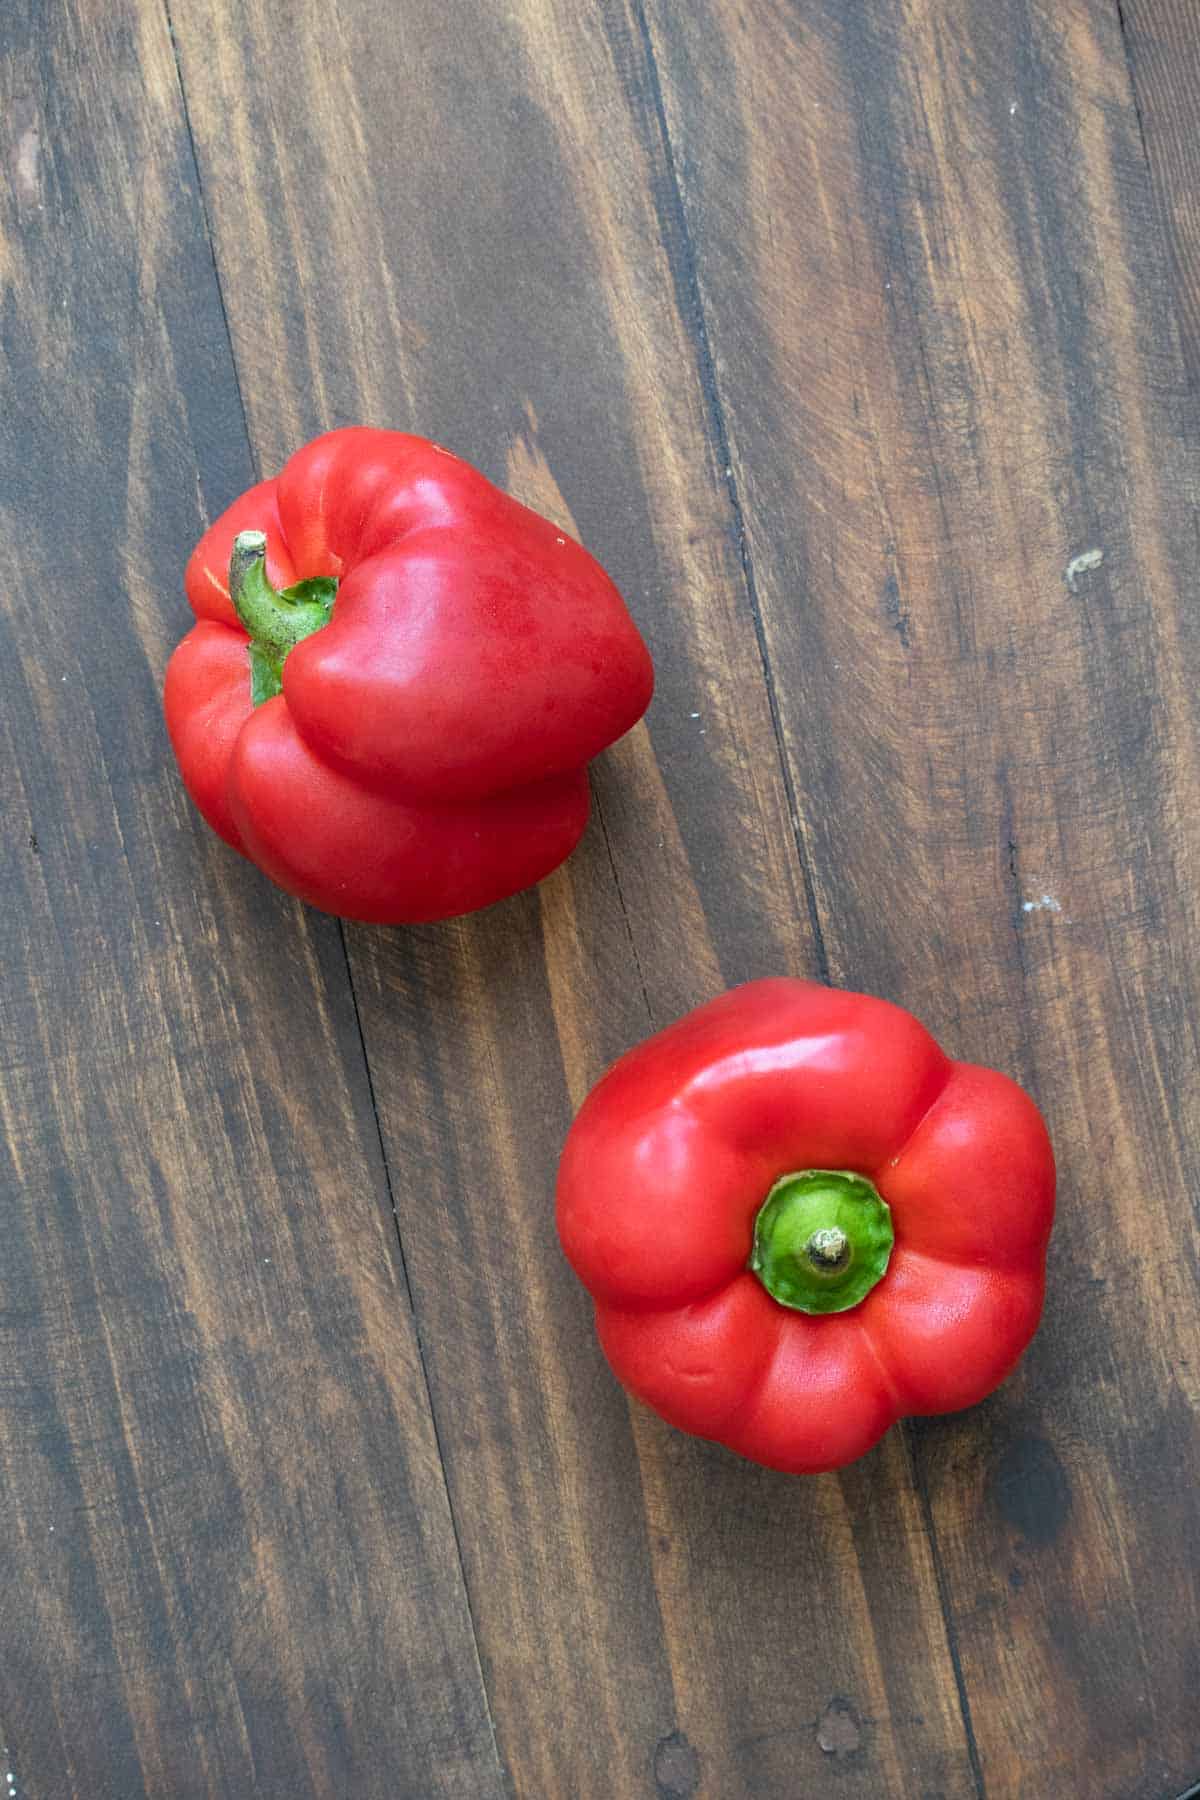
x,y
1162,42
227,1564
944,353
462,226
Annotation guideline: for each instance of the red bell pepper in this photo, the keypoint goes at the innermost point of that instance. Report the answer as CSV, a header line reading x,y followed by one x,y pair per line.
x,y
800,1220
403,732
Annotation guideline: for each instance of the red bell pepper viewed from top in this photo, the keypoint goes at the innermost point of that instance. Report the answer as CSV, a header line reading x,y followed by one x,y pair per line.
x,y
800,1220
396,681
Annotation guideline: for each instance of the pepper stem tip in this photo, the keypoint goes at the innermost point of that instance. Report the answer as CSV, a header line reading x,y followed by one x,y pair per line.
x,y
828,1247
248,548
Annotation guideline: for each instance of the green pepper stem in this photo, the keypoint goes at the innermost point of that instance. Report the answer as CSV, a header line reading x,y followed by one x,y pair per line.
x,y
276,620
822,1240
828,1247
249,547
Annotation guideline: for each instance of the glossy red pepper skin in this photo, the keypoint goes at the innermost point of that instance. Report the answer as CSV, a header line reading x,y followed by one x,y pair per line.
x,y
676,1149
428,753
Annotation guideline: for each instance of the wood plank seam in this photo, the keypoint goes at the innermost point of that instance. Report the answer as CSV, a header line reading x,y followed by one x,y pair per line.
x,y
208,233
686,279
629,931
945,1601
1133,88
419,1334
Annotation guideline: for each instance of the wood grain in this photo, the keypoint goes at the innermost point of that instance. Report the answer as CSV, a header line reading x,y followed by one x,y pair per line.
x,y
652,1616
227,1563
859,343
944,349
1163,47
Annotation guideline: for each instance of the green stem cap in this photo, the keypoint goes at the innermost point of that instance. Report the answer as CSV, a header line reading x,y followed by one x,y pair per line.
x,y
822,1240
277,620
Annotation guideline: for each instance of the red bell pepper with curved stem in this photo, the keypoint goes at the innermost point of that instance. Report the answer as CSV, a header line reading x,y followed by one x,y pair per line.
x,y
397,679
800,1220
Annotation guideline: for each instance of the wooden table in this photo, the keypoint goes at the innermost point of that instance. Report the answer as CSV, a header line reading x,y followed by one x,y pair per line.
x,y
860,340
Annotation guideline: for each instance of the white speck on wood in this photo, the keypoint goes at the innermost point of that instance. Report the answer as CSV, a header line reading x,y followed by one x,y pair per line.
x,y
1080,565
1046,903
